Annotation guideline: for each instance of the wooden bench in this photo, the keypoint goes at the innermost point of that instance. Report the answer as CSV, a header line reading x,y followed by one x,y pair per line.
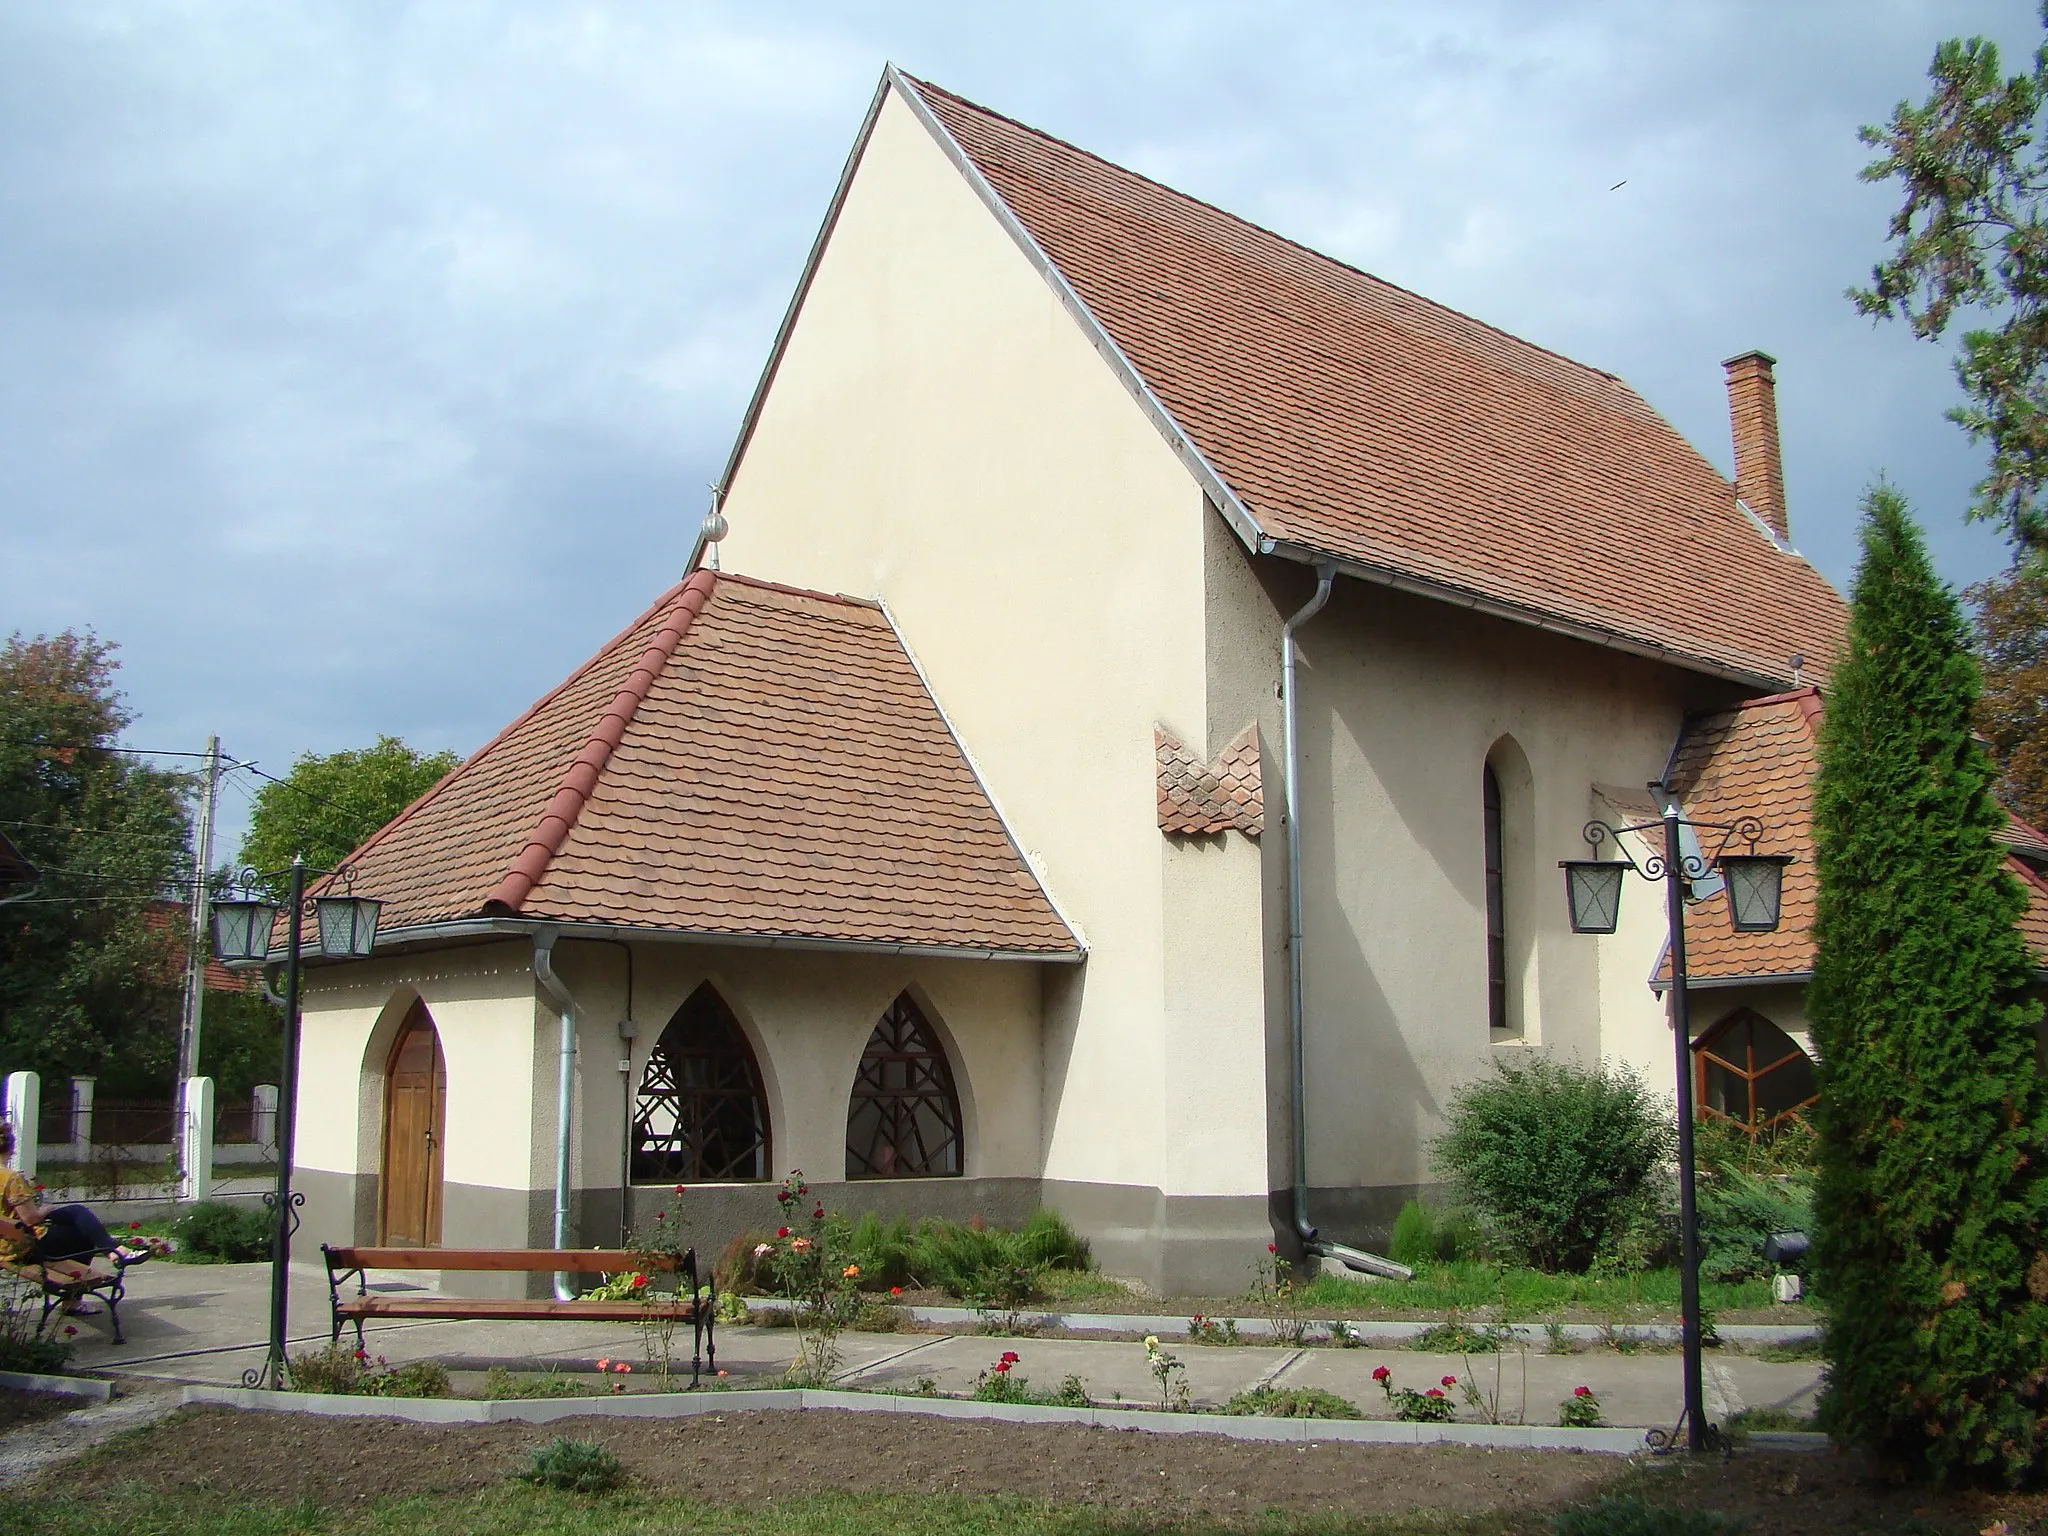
x,y
345,1264
62,1281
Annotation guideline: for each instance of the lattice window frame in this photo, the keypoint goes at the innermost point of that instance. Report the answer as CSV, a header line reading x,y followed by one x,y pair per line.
x,y
903,1120
721,1131
1705,1054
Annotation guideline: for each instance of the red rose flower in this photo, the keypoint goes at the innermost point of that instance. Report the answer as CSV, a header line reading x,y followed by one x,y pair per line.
x,y
639,1281
782,1231
895,1290
1433,1392
679,1189
1381,1373
818,1214
134,1226
1450,1381
661,1215
1582,1391
1272,1247
1010,1357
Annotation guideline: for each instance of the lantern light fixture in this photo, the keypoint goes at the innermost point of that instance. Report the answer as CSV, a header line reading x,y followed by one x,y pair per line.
x,y
1756,890
1593,892
241,929
347,925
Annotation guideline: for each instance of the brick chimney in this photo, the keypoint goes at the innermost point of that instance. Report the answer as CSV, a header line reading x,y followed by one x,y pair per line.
x,y
1753,412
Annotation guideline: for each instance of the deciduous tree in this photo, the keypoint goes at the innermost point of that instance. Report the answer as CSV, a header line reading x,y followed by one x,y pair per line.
x,y
86,984
2011,620
327,807
1933,1180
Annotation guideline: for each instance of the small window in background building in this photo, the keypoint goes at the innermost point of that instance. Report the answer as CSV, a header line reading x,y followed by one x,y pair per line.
x,y
1752,1073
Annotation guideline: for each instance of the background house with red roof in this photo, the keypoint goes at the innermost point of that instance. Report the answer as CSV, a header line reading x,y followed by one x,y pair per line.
x,y
970,890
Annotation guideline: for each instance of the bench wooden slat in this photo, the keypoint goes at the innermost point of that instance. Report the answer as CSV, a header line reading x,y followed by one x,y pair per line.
x,y
480,1307
574,1261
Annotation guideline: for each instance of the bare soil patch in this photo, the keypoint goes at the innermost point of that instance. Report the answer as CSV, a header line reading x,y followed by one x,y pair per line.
x,y
19,1408
758,1457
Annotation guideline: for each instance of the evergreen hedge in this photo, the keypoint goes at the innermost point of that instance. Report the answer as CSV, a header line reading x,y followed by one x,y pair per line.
x,y
1933,1163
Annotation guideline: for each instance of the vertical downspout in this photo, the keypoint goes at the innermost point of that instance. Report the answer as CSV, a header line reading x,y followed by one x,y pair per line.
x,y
1351,1258
1291,737
565,1007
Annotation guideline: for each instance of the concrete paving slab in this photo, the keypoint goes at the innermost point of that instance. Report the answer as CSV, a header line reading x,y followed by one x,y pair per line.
x,y
208,1324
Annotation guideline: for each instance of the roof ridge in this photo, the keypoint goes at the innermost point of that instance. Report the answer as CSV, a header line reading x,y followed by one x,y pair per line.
x,y
1238,218
502,736
562,810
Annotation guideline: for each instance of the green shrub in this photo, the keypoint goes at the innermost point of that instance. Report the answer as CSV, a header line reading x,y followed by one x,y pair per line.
x,y
575,1466
982,1265
215,1229
1293,1403
1629,1515
737,1271
883,1251
1549,1154
1738,1212
1048,1241
1414,1237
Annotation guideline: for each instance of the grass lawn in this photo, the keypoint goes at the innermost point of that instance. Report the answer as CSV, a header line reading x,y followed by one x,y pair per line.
x,y
1530,1295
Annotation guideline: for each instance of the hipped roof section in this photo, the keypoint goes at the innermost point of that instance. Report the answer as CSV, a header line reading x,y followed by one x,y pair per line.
x,y
1759,759
744,760
1337,417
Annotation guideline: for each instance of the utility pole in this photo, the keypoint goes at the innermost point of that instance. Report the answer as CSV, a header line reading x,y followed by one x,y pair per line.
x,y
201,946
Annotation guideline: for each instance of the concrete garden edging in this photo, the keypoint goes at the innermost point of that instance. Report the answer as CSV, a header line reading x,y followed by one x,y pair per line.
x,y
1370,1331
1614,1442
66,1386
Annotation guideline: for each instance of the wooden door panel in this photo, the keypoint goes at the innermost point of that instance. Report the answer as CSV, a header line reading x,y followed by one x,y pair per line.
x,y
415,1114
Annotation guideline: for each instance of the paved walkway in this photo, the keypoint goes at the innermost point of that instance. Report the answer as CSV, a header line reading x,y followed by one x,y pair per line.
x,y
196,1323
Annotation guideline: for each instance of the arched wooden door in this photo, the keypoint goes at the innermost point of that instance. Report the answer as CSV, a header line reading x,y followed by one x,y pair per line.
x,y
415,1111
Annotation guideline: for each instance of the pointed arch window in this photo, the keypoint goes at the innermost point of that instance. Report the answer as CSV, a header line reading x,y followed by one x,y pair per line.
x,y
1496,901
1752,1073
904,1121
701,1116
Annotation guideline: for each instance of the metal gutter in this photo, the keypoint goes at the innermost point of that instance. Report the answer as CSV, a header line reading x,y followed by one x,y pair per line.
x,y
565,1096
1662,985
421,934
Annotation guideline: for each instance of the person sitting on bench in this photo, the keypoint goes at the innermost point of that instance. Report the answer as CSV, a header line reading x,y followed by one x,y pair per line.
x,y
67,1238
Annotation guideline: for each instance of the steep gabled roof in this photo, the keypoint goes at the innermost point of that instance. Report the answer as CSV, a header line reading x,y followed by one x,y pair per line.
x,y
744,760
1336,416
1759,759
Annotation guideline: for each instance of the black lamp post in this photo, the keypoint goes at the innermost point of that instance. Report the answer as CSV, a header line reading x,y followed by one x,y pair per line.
x,y
345,927
1755,885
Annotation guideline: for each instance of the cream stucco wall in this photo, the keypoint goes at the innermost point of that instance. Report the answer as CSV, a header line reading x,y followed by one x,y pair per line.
x,y
808,1016
1402,702
940,434
483,1005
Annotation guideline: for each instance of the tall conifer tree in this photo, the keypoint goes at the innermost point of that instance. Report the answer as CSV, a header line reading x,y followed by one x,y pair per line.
x,y
1933,1185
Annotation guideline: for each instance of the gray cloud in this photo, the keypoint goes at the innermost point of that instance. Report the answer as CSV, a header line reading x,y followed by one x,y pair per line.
x,y
364,366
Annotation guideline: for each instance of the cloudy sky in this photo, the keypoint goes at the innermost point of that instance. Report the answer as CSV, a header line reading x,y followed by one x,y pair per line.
x,y
363,365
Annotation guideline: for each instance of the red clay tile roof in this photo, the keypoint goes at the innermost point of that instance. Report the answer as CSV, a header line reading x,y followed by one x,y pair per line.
x,y
1357,420
1759,760
173,920
1199,797
744,760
